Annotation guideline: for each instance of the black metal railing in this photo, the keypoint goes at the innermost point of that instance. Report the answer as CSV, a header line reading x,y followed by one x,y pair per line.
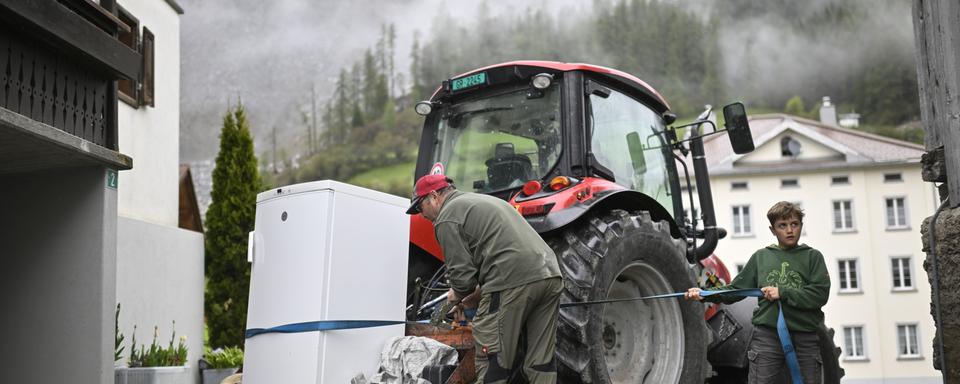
x,y
38,81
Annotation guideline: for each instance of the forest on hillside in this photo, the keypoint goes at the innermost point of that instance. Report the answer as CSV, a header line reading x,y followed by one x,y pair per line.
x,y
707,53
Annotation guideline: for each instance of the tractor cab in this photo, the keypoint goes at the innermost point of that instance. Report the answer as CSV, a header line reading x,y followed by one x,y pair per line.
x,y
532,132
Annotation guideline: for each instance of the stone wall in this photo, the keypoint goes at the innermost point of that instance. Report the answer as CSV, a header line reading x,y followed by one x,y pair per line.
x,y
948,260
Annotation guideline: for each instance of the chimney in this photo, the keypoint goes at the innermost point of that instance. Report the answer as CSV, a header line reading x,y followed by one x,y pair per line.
x,y
828,113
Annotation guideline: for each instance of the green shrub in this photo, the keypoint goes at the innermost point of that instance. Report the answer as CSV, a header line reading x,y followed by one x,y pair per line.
x,y
157,356
117,336
224,358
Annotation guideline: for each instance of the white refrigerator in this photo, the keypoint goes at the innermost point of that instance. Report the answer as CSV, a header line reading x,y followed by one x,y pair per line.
x,y
324,251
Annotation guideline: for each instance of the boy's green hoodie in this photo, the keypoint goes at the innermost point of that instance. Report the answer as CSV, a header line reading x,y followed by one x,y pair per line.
x,y
802,279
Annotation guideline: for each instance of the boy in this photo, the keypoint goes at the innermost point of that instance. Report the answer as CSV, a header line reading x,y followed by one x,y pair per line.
x,y
795,274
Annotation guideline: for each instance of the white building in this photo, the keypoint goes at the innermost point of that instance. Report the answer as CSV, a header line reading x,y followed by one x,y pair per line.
x,y
864,200
159,265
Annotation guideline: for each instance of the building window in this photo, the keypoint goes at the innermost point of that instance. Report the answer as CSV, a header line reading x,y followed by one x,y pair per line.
x,y
908,344
840,180
897,213
789,183
849,275
789,147
843,216
738,185
892,177
902,277
853,343
741,220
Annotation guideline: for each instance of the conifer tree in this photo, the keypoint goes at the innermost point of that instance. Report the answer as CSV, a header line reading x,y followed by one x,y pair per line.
x,y
229,219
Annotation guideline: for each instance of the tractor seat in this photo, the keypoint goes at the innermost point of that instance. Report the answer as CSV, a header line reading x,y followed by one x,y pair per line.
x,y
506,168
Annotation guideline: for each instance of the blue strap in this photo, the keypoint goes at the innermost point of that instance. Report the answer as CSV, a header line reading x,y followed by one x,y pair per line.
x,y
333,325
789,353
323,325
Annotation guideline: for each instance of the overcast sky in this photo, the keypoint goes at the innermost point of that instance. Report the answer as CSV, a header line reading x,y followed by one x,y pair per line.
x,y
270,53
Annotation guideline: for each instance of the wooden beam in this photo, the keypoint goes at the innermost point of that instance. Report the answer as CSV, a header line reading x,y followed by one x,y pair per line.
x,y
937,33
68,30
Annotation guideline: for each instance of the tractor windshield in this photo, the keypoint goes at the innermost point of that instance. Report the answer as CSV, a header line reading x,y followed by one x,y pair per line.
x,y
501,141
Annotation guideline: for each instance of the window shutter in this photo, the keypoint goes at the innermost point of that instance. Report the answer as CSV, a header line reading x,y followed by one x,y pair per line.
x,y
127,89
147,89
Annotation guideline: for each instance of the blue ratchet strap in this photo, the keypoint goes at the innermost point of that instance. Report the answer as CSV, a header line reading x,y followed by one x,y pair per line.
x,y
323,325
789,353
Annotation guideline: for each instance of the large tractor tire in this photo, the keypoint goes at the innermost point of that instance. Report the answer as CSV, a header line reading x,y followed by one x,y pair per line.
x,y
831,372
619,255
830,355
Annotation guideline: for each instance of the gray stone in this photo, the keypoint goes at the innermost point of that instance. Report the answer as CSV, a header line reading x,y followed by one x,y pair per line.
x,y
934,166
948,259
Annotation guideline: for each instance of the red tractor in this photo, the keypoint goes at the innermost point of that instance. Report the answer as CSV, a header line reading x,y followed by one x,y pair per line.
x,y
587,155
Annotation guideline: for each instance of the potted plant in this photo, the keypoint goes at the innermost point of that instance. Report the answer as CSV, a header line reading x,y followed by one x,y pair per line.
x,y
156,364
219,364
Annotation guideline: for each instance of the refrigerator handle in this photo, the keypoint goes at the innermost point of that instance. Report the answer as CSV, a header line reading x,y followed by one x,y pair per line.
x,y
255,250
251,239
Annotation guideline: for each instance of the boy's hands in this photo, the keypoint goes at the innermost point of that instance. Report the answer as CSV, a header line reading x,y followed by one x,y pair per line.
x,y
771,293
693,294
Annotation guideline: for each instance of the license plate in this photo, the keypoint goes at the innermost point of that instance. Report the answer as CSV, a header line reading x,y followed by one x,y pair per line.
x,y
469,81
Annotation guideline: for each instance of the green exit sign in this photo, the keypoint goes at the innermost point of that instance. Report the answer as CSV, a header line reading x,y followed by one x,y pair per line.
x,y
469,81
112,178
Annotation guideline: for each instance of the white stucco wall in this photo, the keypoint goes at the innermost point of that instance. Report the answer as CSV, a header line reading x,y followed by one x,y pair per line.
x,y
151,135
876,307
160,280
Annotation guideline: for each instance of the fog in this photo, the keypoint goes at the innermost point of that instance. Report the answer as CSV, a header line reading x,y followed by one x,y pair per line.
x,y
270,54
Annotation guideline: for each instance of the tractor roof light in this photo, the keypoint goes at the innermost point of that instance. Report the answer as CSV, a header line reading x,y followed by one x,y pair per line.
x,y
532,187
542,81
424,108
560,182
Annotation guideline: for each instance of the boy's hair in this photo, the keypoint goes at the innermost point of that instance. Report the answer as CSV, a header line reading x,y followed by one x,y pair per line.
x,y
784,210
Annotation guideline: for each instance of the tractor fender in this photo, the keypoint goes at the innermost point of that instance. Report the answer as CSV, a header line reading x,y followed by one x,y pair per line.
x,y
604,201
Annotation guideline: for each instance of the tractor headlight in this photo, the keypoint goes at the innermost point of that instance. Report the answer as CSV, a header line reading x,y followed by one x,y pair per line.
x,y
542,81
424,108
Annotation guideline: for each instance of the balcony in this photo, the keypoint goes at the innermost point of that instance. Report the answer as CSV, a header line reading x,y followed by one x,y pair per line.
x,y
59,66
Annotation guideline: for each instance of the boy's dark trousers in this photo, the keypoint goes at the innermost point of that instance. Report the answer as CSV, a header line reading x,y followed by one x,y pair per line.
x,y
767,362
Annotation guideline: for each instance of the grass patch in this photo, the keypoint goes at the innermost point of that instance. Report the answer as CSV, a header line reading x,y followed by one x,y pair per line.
x,y
395,179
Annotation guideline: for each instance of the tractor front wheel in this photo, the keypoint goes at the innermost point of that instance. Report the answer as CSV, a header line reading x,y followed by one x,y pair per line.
x,y
618,254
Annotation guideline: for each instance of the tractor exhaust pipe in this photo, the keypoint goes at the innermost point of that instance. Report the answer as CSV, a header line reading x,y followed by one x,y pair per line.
x,y
710,235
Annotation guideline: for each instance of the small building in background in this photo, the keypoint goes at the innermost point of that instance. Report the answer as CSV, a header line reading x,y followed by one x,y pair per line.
x,y
850,120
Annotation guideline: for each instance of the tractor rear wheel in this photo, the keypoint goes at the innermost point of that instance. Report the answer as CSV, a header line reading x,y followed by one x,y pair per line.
x,y
618,254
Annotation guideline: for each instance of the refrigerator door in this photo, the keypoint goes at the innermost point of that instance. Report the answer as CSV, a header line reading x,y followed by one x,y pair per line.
x,y
286,286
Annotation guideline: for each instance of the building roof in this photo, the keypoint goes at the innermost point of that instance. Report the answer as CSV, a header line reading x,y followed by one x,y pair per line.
x,y
190,217
824,147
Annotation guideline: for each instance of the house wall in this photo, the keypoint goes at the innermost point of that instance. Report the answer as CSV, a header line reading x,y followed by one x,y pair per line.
x,y
58,230
160,280
876,306
151,135
159,266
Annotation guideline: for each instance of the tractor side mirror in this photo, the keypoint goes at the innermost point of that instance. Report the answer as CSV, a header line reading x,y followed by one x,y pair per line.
x,y
738,129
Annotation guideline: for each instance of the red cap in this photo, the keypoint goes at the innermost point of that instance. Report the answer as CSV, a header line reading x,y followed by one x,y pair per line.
x,y
425,185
